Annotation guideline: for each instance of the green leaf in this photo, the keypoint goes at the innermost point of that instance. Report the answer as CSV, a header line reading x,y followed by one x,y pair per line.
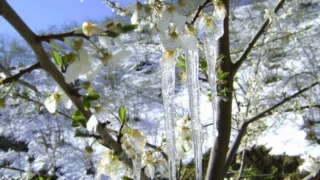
x,y
79,133
203,65
78,119
87,104
25,94
92,97
74,124
57,59
122,114
181,65
56,47
90,90
112,34
128,28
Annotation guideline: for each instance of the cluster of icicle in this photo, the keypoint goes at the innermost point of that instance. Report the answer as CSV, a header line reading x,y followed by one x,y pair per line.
x,y
212,30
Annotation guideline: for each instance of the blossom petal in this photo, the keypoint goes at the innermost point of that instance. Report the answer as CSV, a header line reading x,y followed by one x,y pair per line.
x,y
92,124
119,43
72,73
104,41
66,101
93,72
51,104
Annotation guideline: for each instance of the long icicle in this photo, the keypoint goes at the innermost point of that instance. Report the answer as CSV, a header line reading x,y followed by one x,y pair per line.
x,y
212,36
168,88
137,167
209,47
192,62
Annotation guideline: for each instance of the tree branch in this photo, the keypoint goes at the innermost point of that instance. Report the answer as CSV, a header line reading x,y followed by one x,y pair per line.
x,y
196,16
61,36
245,123
24,83
253,41
33,41
21,73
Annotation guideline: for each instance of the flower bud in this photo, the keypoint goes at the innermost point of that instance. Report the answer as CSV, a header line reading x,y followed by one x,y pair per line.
x,y
88,149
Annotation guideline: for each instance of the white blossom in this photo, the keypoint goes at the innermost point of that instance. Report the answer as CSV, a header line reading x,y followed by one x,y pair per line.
x,y
169,14
219,10
90,29
133,142
52,101
110,60
109,164
80,66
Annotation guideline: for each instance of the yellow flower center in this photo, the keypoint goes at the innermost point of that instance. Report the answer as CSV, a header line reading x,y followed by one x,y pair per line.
x,y
106,57
170,8
70,58
219,5
56,97
174,35
190,30
167,55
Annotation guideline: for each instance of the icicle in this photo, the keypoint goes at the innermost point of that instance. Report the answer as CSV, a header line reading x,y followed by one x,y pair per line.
x,y
192,62
209,47
168,87
210,44
137,167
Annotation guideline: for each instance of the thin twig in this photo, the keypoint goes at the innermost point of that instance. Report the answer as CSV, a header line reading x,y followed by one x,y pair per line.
x,y
22,82
41,104
21,73
253,41
243,127
200,8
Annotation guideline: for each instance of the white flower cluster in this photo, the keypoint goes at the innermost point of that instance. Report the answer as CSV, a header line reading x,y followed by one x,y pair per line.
x,y
170,20
81,66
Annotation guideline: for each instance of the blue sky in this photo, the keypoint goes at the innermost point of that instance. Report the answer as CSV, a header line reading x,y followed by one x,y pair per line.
x,y
39,15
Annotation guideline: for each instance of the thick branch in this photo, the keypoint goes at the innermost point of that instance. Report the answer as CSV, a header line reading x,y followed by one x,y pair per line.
x,y
253,41
21,73
245,123
10,15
